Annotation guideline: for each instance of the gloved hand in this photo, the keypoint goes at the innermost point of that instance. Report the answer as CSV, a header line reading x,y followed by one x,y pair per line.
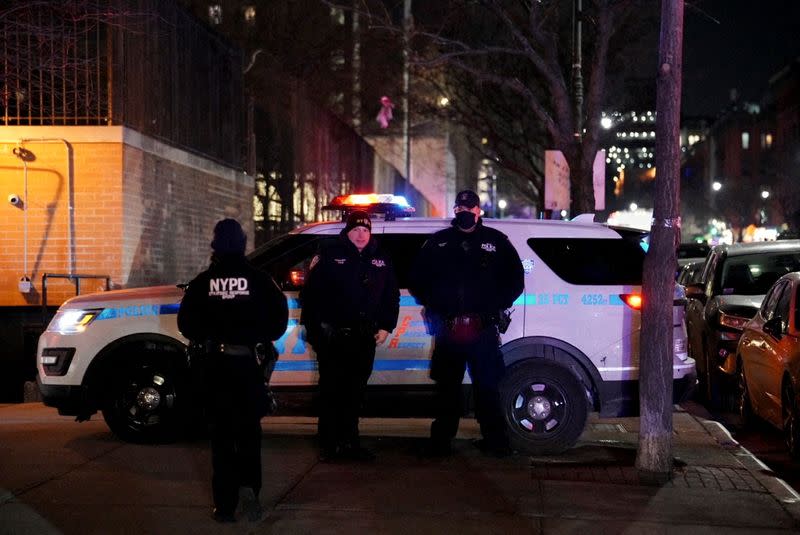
x,y
380,336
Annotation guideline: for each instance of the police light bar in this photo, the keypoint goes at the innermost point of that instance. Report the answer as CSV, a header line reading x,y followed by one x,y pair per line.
x,y
387,204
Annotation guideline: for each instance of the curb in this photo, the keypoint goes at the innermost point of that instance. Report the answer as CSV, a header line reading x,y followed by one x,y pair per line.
x,y
777,487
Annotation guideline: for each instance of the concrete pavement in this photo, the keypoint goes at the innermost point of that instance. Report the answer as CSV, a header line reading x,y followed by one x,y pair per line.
x,y
57,476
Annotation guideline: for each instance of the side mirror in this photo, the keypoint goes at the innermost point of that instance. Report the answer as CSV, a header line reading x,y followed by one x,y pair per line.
x,y
774,327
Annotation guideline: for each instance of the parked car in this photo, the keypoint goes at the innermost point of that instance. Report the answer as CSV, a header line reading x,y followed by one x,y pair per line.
x,y
692,252
690,273
572,346
728,294
768,362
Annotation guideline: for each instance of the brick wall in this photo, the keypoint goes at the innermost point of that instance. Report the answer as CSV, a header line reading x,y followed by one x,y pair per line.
x,y
142,212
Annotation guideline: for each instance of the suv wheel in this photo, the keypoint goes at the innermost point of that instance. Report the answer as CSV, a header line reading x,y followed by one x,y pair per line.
x,y
140,403
544,406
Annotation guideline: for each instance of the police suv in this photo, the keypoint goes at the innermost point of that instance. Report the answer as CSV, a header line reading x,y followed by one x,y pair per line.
x,y
572,345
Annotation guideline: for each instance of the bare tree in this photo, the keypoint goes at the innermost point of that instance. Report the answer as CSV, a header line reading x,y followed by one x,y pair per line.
x,y
655,362
522,54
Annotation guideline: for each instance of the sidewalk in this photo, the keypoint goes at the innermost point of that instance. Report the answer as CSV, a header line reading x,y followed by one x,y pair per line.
x,y
100,485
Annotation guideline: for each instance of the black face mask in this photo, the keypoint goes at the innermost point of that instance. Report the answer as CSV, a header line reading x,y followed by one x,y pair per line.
x,y
465,220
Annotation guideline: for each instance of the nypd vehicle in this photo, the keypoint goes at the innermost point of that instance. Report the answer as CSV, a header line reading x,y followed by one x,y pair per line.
x,y
572,346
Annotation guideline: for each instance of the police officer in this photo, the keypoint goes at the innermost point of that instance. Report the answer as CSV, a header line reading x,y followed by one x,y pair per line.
x,y
350,304
229,310
465,277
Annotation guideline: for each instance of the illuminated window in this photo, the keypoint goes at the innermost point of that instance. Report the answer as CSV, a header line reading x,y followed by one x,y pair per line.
x,y
745,140
215,13
337,60
337,15
768,140
250,15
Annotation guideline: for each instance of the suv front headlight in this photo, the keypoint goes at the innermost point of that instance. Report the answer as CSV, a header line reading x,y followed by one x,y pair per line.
x,y
734,322
71,321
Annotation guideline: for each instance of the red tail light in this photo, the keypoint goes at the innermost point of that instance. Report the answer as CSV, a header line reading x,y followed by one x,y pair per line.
x,y
297,277
632,300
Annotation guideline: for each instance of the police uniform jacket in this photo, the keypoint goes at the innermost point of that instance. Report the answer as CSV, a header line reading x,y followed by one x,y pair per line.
x,y
459,273
346,288
233,303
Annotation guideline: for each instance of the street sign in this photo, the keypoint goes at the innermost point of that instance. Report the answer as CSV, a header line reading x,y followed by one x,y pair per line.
x,y
556,180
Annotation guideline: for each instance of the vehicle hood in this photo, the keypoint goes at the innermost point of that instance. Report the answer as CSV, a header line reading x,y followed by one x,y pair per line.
x,y
744,306
147,295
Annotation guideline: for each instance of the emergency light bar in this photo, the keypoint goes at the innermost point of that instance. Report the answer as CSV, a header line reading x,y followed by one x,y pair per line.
x,y
387,204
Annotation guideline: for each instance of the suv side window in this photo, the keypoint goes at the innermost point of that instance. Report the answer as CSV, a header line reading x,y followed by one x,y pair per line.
x,y
591,261
287,258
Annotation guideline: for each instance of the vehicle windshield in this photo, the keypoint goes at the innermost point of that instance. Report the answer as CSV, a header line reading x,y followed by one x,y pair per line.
x,y
754,274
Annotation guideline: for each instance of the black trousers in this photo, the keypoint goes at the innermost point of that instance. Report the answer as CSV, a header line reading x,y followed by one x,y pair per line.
x,y
451,356
234,388
345,362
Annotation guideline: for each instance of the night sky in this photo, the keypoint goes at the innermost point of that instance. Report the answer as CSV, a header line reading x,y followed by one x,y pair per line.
x,y
753,40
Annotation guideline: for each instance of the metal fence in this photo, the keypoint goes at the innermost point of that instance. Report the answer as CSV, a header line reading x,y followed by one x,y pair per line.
x,y
146,64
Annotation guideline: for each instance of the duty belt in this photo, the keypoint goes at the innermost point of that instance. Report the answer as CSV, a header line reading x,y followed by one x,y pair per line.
x,y
473,321
234,350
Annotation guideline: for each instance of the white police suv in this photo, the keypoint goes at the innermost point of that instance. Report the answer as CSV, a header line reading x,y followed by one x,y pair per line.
x,y
572,346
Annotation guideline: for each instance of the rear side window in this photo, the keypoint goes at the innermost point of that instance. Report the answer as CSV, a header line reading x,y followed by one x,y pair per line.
x,y
592,261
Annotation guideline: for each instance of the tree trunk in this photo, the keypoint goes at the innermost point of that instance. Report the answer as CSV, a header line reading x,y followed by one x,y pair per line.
x,y
655,372
581,187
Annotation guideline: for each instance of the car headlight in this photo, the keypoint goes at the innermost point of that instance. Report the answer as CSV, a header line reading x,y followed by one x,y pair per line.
x,y
734,322
71,321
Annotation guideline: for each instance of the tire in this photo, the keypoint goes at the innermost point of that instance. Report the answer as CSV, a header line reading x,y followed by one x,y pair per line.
x,y
743,405
141,403
544,406
791,422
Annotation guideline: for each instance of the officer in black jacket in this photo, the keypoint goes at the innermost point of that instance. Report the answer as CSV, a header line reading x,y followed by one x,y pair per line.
x,y
465,277
229,310
350,304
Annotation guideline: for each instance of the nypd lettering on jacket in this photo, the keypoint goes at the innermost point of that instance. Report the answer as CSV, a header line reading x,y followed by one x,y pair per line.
x,y
227,287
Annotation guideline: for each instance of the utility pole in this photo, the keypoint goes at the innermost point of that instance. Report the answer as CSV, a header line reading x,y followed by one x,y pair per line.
x,y
577,60
656,355
407,22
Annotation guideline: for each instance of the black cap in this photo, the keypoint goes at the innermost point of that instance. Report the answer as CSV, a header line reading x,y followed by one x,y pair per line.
x,y
229,238
467,198
359,218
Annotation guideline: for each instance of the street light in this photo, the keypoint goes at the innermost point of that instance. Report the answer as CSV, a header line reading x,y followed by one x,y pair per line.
x,y
716,185
764,194
633,207
502,205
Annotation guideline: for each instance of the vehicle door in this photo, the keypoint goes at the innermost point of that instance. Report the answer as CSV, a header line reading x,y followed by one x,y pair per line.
x,y
287,259
765,368
405,356
695,311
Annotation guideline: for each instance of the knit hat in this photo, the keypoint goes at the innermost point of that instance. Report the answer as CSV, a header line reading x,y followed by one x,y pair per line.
x,y
359,218
229,238
467,198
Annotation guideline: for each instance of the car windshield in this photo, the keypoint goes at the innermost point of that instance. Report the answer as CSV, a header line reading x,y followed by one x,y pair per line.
x,y
754,274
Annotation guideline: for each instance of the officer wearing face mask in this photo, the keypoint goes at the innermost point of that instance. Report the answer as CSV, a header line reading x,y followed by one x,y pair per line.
x,y
350,304
465,276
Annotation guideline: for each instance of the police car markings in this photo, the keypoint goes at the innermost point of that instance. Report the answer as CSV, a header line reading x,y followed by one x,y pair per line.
x,y
138,310
542,299
383,365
